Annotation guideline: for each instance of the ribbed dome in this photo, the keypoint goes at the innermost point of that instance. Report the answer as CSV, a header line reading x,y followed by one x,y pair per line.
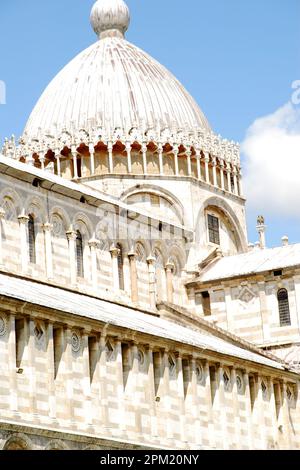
x,y
113,84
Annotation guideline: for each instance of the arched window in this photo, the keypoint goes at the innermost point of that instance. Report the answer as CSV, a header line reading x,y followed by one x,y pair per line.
x,y
31,240
79,254
120,266
284,308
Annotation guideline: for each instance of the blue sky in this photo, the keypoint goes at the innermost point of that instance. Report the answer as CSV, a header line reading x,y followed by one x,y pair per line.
x,y
238,58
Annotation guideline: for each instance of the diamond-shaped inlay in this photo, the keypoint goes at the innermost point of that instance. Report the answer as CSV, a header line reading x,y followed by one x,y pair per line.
x,y
289,394
172,365
109,350
246,295
264,389
226,380
38,332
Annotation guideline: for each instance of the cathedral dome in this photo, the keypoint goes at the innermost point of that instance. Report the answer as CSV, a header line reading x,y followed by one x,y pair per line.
x,y
113,84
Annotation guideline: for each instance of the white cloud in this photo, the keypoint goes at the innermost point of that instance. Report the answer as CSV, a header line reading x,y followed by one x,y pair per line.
x,y
271,152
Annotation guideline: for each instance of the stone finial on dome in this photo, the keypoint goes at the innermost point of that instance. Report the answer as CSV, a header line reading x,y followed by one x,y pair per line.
x,y
110,18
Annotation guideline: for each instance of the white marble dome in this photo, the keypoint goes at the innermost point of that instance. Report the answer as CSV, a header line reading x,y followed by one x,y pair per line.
x,y
113,84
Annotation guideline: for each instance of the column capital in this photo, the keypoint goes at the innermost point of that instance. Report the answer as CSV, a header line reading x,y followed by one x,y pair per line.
x,y
2,213
114,251
91,148
169,266
71,234
93,243
47,227
198,153
207,157
128,146
23,219
151,259
132,254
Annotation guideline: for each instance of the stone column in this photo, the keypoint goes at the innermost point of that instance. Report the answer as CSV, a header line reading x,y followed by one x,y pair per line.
x,y
86,381
214,162
151,391
265,320
273,413
92,158
236,191
71,236
198,157
57,157
68,373
31,367
102,374
110,157
206,162
165,392
74,156
240,184
13,388
2,215
93,244
222,175
120,386
229,312
51,371
220,396
196,429
23,221
160,159
236,411
189,163
259,412
114,251
47,228
248,410
133,277
209,407
175,153
285,416
135,396
152,281
169,278
144,151
128,150
228,171
180,388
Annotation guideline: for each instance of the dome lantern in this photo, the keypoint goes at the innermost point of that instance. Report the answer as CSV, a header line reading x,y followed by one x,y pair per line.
x,y
110,18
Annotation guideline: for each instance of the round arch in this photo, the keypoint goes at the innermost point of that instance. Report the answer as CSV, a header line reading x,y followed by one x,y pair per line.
x,y
57,444
18,441
157,191
225,208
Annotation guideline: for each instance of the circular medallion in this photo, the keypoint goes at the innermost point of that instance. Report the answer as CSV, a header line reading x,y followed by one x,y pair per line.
x,y
76,343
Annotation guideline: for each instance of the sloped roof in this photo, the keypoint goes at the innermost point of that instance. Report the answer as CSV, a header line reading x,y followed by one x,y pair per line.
x,y
107,312
253,262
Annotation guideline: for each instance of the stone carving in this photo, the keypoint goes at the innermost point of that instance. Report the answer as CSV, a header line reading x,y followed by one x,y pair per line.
x,y
199,372
141,357
239,383
57,224
260,220
109,351
76,342
246,295
3,325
